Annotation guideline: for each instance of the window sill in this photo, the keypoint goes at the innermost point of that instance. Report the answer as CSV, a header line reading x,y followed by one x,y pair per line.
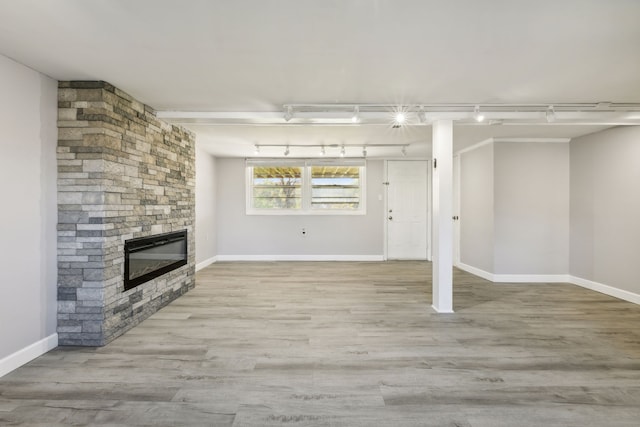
x,y
270,212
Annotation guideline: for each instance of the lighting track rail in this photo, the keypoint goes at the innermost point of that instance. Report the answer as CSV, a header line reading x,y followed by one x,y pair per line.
x,y
322,148
394,115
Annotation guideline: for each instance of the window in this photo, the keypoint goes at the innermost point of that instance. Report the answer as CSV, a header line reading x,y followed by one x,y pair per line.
x,y
277,187
335,187
305,187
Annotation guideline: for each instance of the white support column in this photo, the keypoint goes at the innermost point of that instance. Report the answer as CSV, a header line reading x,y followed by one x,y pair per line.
x,y
442,216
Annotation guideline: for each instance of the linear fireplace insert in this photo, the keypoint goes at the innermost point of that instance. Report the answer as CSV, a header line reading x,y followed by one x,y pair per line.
x,y
146,258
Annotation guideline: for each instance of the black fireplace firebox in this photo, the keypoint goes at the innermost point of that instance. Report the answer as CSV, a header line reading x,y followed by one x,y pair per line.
x,y
146,258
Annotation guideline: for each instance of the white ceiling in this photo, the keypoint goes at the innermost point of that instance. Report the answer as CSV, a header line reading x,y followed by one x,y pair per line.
x,y
256,55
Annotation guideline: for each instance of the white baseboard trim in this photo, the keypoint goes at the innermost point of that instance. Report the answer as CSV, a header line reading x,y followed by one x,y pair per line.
x,y
476,271
206,263
553,278
442,311
606,289
27,354
300,258
531,278
515,278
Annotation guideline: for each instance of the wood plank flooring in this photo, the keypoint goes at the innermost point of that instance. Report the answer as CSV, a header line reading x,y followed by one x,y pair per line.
x,y
347,344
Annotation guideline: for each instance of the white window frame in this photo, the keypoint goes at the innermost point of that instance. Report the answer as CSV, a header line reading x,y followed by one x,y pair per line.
x,y
306,165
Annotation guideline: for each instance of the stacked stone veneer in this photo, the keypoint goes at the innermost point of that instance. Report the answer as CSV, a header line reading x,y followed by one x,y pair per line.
x,y
122,173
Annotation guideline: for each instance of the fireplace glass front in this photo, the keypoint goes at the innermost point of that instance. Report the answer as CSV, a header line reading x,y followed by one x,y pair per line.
x,y
146,258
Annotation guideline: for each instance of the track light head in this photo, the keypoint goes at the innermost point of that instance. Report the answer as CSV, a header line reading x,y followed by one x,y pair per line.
x,y
257,149
286,151
404,150
322,151
477,114
356,115
342,151
550,114
288,113
422,116
364,151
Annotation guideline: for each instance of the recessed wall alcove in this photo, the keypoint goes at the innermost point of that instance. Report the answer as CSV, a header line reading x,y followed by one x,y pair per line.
x,y
122,174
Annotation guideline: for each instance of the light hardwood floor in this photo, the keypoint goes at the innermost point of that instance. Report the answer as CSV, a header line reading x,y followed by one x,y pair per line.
x,y
348,344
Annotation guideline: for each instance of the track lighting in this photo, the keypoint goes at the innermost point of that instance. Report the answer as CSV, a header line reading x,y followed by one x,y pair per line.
x,y
477,114
421,114
288,113
322,148
550,114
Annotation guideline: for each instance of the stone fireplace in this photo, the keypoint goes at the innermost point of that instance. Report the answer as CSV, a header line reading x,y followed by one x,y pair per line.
x,y
122,175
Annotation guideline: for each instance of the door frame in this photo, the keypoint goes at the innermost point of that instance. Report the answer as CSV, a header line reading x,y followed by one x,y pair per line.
x,y
385,212
456,209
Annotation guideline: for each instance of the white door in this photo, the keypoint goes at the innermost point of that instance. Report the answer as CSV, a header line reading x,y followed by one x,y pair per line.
x,y
407,209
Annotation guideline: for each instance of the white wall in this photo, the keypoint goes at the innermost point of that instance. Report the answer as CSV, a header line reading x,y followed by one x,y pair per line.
x,y
605,208
531,201
205,229
476,208
28,139
269,236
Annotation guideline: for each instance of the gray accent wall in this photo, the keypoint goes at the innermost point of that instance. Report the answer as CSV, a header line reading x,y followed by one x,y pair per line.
x,y
531,203
206,248
476,208
605,208
240,234
514,208
28,112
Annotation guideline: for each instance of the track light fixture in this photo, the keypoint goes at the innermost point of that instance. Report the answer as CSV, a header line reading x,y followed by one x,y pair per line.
x,y
477,114
356,115
322,148
422,116
550,114
288,113
593,113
